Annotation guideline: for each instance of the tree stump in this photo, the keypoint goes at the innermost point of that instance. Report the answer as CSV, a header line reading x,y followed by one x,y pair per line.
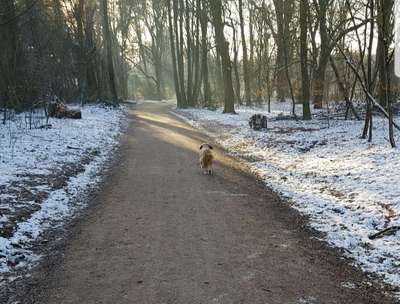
x,y
258,122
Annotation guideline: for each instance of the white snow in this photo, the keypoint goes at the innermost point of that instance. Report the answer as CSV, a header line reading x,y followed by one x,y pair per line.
x,y
31,161
348,187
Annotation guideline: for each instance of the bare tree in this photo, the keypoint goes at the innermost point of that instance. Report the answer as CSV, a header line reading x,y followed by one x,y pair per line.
x,y
305,80
108,42
246,75
223,50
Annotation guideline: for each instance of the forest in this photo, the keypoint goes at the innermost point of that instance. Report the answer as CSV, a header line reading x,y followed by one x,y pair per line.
x,y
108,108
203,53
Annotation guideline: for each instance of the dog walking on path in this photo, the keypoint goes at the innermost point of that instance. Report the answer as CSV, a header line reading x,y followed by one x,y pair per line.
x,y
206,158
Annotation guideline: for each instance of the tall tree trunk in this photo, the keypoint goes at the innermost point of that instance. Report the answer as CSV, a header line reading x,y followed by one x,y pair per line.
x,y
108,42
124,28
343,90
223,47
8,55
204,54
189,59
246,75
173,54
196,55
284,13
92,81
281,84
367,130
141,54
305,80
236,64
159,77
178,22
319,77
251,38
82,64
384,9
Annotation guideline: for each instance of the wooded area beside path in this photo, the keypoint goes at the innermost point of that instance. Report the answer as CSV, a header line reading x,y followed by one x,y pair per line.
x,y
297,89
204,53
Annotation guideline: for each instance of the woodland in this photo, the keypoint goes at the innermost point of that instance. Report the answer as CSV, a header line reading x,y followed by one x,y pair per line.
x,y
203,53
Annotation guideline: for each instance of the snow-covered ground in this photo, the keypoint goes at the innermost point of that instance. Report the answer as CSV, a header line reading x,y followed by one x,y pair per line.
x,y
348,187
45,174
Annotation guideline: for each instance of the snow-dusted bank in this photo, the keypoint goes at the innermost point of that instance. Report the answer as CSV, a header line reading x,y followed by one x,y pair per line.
x,y
348,187
45,175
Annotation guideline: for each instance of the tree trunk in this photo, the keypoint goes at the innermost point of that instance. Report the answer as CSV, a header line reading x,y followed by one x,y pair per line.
x,y
281,83
246,75
384,30
159,77
236,65
319,77
196,56
8,55
305,80
384,10
82,63
284,12
92,81
178,22
223,47
189,59
173,54
204,55
349,104
251,38
108,42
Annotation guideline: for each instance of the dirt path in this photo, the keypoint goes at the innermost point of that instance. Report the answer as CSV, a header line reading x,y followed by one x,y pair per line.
x,y
164,233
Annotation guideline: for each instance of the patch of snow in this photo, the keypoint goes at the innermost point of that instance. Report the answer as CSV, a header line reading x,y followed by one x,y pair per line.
x,y
348,187
308,300
29,155
349,285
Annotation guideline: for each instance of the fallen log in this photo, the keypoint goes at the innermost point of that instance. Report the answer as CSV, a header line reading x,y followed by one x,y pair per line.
x,y
60,110
46,126
387,231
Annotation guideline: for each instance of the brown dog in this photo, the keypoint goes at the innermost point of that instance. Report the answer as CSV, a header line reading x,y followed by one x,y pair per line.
x,y
206,158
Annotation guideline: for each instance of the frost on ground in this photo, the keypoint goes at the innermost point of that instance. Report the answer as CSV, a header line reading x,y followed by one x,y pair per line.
x,y
44,175
348,187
